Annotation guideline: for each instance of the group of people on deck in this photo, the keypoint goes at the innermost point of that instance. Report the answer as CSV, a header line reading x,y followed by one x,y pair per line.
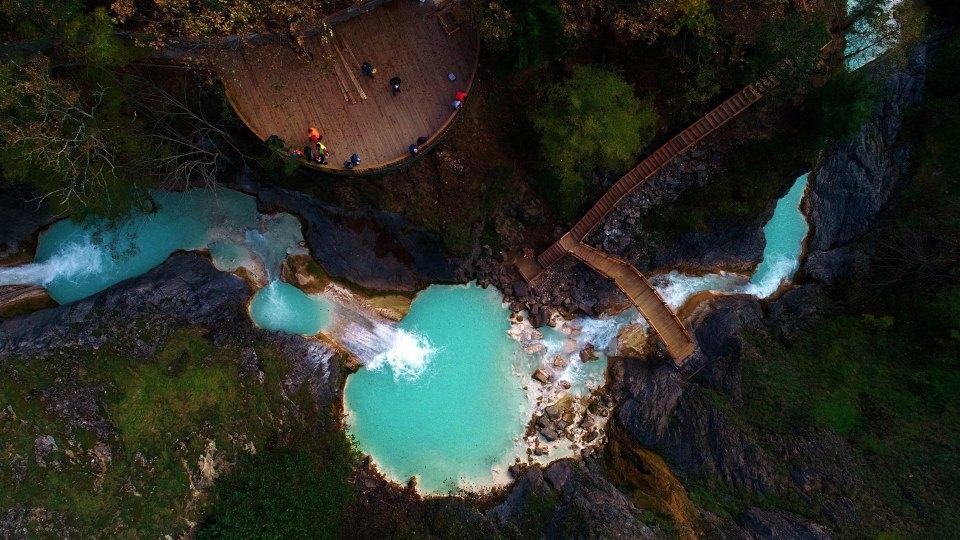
x,y
317,152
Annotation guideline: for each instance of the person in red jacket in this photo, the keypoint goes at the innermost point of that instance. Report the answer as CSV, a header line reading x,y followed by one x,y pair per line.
x,y
458,99
314,135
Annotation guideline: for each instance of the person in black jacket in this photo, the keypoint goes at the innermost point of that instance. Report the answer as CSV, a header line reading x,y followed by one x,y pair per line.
x,y
395,85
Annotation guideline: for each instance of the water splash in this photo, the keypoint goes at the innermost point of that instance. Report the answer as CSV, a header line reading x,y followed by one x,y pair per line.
x,y
376,341
72,261
407,355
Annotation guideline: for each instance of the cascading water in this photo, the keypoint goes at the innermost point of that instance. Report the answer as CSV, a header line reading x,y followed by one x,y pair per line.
x,y
784,235
77,259
447,393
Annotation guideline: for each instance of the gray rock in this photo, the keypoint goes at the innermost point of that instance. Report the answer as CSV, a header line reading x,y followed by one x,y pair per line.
x,y
44,445
550,434
374,249
573,501
663,411
857,177
835,266
558,473
184,290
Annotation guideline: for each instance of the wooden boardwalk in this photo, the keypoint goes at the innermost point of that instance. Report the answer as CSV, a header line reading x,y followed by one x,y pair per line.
x,y
641,293
276,92
662,319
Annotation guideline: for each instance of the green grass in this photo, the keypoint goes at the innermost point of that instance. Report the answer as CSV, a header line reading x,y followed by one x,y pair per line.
x,y
886,385
165,411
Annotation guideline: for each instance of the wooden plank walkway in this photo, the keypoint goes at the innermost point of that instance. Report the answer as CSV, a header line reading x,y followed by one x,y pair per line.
x,y
641,293
662,319
276,92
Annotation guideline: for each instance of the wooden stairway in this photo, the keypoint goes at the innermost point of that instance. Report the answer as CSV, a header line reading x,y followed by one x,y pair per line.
x,y
666,324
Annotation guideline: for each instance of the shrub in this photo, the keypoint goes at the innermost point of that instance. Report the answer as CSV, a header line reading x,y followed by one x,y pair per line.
x,y
593,120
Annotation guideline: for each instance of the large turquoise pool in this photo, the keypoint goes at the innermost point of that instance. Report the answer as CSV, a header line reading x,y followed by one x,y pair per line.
x,y
454,418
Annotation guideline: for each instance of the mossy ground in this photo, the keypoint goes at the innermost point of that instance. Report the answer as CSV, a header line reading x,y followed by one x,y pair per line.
x,y
164,413
888,388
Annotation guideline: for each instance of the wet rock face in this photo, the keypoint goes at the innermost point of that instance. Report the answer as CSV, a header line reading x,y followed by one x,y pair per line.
x,y
570,499
374,249
857,177
21,214
676,418
185,290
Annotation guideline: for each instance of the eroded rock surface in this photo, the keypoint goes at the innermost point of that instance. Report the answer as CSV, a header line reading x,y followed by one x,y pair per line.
x,y
370,248
857,177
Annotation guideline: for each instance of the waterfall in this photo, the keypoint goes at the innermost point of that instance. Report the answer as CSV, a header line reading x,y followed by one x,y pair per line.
x,y
76,258
376,341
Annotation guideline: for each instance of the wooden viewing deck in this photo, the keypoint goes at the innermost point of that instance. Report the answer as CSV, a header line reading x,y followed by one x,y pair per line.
x,y
628,279
277,92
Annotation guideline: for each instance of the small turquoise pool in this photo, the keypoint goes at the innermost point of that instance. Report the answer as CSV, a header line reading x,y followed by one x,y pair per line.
x,y
282,307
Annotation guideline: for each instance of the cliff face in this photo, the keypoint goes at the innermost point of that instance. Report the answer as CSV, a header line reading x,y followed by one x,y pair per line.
x,y
690,418
857,177
373,249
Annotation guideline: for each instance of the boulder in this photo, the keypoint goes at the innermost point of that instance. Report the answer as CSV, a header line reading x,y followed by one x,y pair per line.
x,y
542,376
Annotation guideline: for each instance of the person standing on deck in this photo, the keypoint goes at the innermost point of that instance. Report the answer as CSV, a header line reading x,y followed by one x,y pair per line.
x,y
322,153
367,69
458,99
353,161
395,85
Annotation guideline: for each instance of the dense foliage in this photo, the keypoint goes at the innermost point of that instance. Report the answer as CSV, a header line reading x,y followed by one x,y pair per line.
x,y
71,138
593,120
524,33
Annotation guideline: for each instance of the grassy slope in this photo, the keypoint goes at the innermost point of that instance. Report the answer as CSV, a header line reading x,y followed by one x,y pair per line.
x,y
165,411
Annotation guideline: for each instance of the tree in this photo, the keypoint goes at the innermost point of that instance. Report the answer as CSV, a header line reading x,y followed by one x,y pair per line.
x,y
526,33
593,120
797,38
838,108
169,20
74,143
647,21
870,27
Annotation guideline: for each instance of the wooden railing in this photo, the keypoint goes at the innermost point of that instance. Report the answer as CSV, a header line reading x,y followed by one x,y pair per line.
x,y
662,319
678,145
641,293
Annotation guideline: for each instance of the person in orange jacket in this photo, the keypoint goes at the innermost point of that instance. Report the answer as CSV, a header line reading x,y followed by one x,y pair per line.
x,y
314,135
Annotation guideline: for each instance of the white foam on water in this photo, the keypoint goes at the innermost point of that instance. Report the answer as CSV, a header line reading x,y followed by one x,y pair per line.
x,y
407,354
677,288
74,260
782,270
